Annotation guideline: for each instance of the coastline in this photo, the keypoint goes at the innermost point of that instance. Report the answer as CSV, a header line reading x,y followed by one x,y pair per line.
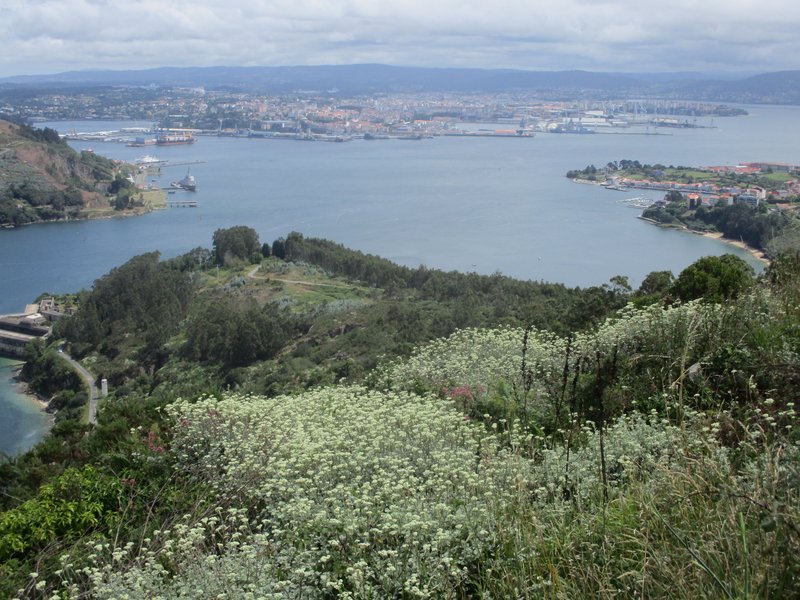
x,y
25,420
153,205
24,389
755,252
715,235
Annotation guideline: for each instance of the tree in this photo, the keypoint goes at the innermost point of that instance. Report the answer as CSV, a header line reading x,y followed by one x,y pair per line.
x,y
656,282
620,284
714,278
142,301
279,248
235,244
233,332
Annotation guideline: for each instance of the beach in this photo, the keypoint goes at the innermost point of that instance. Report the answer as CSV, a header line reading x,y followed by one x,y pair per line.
x,y
756,253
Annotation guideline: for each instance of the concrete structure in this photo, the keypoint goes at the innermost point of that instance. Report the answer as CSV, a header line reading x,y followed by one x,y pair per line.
x,y
16,331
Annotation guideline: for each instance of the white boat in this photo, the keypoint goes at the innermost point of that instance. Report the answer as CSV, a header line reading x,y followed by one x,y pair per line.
x,y
638,202
148,161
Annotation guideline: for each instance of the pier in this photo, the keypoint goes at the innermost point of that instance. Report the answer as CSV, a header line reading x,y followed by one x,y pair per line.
x,y
182,203
182,164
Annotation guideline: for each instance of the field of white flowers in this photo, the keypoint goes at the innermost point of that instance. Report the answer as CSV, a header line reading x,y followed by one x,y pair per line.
x,y
603,466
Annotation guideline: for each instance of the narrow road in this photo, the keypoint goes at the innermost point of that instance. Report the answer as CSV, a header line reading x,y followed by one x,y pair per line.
x,y
89,380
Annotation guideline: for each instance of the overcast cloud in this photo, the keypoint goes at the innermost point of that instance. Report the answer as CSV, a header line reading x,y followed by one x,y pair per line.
x,y
48,36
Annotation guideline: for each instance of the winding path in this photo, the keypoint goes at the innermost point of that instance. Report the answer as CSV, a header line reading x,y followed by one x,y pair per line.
x,y
251,274
89,380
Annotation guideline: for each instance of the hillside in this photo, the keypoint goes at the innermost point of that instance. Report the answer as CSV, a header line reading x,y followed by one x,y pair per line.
x,y
782,87
311,422
778,88
43,179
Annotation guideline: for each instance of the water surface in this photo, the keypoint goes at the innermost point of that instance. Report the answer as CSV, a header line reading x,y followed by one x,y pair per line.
x,y
22,420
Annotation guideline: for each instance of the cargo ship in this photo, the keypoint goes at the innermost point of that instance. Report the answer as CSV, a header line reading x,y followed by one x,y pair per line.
x,y
174,139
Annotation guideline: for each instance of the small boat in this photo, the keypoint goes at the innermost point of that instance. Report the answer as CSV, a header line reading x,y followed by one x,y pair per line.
x,y
638,202
187,183
148,161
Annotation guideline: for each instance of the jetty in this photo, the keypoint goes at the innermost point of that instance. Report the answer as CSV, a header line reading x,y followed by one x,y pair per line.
x,y
182,164
181,203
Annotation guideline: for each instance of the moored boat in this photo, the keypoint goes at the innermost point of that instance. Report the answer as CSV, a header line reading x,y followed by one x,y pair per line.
x,y
173,139
148,161
188,183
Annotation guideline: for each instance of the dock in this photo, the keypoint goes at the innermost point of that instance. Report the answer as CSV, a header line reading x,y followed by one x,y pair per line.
x,y
182,164
181,203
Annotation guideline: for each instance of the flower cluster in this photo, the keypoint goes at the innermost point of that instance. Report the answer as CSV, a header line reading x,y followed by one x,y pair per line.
x,y
361,493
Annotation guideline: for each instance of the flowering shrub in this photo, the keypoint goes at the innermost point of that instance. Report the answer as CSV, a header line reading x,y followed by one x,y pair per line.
x,y
680,350
472,357
350,492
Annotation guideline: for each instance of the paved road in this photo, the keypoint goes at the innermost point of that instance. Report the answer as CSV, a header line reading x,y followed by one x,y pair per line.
x,y
89,380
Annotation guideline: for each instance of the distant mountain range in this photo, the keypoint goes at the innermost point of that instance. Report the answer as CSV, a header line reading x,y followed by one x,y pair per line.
x,y
779,88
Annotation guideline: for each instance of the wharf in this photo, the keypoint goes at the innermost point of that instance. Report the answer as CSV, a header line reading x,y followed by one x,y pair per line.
x,y
182,164
182,203
632,133
488,134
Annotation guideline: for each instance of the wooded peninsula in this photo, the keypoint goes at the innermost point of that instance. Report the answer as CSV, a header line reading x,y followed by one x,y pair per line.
x,y
755,204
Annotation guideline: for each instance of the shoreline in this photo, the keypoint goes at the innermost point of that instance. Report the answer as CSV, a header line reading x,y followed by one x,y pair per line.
x,y
27,421
24,389
715,235
754,252
100,215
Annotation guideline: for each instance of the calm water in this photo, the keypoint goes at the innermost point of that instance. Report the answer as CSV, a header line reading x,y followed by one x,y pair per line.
x,y
22,421
482,205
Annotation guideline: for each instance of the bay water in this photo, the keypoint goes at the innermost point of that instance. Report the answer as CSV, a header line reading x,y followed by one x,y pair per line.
x,y
22,420
470,204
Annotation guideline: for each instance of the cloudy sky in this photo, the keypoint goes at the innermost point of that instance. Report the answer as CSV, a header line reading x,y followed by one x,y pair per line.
x,y
736,36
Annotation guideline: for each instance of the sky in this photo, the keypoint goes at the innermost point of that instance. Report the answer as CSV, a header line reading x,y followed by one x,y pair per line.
x,y
731,36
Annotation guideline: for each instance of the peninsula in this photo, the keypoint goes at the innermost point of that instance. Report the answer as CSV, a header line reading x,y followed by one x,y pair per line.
x,y
753,204
43,179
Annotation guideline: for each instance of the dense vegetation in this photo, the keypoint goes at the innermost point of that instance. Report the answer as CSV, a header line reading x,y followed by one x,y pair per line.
x,y
394,432
758,227
236,244
50,377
